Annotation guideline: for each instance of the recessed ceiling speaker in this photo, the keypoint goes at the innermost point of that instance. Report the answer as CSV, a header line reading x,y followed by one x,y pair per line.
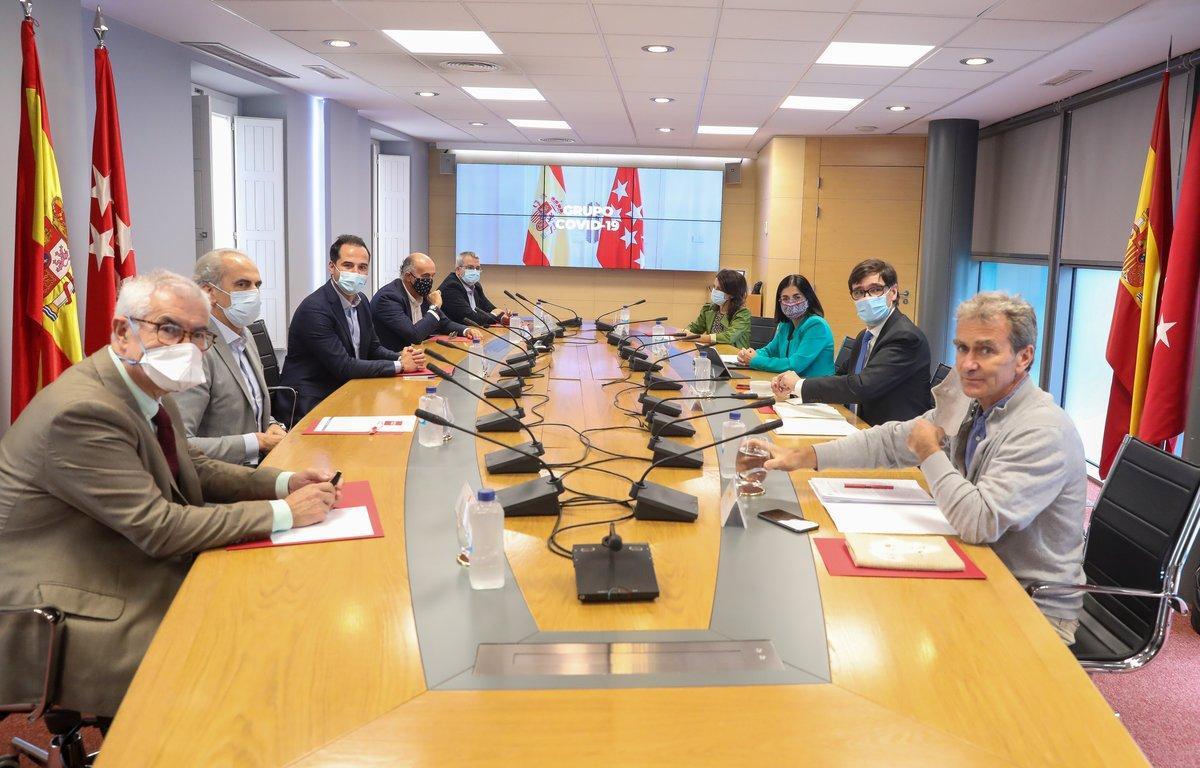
x,y
446,164
733,173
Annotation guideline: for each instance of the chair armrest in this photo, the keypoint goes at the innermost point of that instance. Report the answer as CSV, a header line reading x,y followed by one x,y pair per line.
x,y
295,396
54,619
1055,588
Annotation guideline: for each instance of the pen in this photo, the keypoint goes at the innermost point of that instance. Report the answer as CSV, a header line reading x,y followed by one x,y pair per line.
x,y
337,476
869,486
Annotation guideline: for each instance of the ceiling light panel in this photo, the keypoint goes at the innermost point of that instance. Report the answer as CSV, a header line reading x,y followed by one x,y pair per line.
x,y
727,130
504,94
444,41
873,54
820,103
545,125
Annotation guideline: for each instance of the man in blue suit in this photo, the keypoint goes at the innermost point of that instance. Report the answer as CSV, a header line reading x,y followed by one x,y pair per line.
x,y
408,310
332,336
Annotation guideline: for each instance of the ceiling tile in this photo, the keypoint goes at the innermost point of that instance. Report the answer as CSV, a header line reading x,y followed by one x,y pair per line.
x,y
1101,11
715,141
721,109
641,107
875,111
648,136
1002,60
832,73
775,51
661,68
488,79
562,65
533,110
1021,35
607,135
669,86
630,47
364,42
904,94
576,82
383,68
778,25
651,20
745,70
840,6
963,8
293,14
383,14
966,77
521,17
533,44
905,30
776,88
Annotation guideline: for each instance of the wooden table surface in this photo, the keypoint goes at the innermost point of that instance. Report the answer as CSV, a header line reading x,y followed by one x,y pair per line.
x,y
308,655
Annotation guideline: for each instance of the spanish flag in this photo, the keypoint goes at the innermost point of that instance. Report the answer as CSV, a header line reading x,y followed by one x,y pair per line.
x,y
545,244
45,323
1131,336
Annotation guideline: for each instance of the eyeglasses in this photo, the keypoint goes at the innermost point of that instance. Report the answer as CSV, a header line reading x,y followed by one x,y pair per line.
x,y
172,333
874,291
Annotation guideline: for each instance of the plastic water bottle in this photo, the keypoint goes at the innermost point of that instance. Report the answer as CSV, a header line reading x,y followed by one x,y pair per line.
x,y
474,362
731,427
623,322
429,434
463,524
658,338
486,522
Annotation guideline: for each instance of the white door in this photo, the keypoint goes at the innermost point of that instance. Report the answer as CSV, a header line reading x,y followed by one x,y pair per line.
x,y
202,173
258,184
391,216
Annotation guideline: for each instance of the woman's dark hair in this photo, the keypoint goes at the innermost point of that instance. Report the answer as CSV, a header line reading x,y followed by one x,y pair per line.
x,y
733,284
806,290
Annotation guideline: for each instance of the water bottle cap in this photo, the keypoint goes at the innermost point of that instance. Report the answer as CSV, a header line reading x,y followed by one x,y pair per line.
x,y
431,390
486,494
736,416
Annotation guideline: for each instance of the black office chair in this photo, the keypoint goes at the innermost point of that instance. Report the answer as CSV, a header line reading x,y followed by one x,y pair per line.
x,y
270,366
842,362
762,330
939,375
66,748
757,287
1143,527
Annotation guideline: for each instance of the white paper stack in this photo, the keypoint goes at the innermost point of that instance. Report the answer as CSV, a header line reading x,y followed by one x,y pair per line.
x,y
794,409
365,425
838,427
865,505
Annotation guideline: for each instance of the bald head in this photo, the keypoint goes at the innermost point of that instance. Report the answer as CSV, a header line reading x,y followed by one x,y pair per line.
x,y
220,274
417,263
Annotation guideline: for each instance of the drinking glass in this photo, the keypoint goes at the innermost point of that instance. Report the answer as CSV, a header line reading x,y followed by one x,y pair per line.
x,y
702,370
750,472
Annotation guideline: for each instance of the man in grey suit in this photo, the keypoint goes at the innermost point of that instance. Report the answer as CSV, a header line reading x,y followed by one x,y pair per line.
x,y
228,416
102,504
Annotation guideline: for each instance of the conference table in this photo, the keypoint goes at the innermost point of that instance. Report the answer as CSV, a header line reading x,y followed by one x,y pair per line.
x,y
364,652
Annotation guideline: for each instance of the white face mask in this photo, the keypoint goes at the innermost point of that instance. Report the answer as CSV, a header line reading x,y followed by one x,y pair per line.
x,y
244,306
173,368
351,282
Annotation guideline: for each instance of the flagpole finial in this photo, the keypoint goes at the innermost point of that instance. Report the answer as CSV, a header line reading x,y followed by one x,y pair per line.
x,y
99,27
27,6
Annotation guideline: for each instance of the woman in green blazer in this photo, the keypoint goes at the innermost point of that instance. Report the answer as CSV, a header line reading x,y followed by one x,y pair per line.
x,y
803,341
725,319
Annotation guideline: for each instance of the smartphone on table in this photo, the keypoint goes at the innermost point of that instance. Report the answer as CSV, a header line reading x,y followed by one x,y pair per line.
x,y
789,520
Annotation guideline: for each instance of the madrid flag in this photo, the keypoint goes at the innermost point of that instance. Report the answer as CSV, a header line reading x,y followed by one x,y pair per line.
x,y
1171,364
110,244
545,244
45,323
1131,335
621,235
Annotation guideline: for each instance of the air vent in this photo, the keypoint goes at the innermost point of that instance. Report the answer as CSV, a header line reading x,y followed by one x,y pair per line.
x,y
557,140
467,65
241,59
1070,74
866,128
329,72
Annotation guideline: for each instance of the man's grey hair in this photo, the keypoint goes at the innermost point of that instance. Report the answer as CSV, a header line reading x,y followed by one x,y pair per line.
x,y
136,295
409,264
987,306
210,267
458,260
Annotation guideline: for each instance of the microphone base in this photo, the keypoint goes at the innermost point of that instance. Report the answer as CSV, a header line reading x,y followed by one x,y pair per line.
x,y
559,331
613,338
639,364
521,358
662,383
669,453
514,461
534,498
508,388
658,502
516,371
667,409
509,421
574,322
603,327
662,425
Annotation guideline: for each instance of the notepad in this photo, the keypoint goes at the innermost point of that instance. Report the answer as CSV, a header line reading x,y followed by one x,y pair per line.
x,y
868,490
856,517
362,425
906,553
354,517
798,410
817,427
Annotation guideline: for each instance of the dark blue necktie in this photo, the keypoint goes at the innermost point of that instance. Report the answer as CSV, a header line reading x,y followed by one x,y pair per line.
x,y
863,348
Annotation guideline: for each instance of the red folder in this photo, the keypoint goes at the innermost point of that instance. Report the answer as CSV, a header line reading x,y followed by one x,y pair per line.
x,y
354,494
838,563
420,372
451,339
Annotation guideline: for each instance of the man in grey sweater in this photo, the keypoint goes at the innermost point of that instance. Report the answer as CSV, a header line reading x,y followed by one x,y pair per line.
x,y
1010,474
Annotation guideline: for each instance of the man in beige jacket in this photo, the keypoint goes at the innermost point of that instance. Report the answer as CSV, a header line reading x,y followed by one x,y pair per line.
x,y
102,506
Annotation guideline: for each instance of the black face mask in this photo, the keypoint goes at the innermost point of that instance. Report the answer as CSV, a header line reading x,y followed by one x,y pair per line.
x,y
422,286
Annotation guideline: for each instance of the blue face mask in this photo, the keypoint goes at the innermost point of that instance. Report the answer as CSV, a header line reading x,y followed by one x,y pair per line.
x,y
351,282
471,276
718,297
873,309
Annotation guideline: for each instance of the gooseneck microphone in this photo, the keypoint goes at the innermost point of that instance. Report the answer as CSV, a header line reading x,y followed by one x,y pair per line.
x,y
552,333
654,501
536,497
548,336
571,322
661,425
614,339
604,327
523,355
517,371
504,420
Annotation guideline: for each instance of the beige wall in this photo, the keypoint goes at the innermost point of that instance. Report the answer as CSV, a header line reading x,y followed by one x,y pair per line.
x,y
677,295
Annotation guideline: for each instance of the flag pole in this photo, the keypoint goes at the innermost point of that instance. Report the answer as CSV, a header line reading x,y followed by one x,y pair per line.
x,y
99,27
27,5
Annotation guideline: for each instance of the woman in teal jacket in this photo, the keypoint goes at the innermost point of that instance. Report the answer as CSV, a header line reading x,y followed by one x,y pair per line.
x,y
803,341
724,319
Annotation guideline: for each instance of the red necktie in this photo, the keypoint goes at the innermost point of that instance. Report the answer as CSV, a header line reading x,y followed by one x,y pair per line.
x,y
166,440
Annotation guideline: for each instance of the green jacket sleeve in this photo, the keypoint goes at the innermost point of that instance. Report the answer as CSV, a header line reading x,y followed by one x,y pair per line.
x,y
702,322
738,332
